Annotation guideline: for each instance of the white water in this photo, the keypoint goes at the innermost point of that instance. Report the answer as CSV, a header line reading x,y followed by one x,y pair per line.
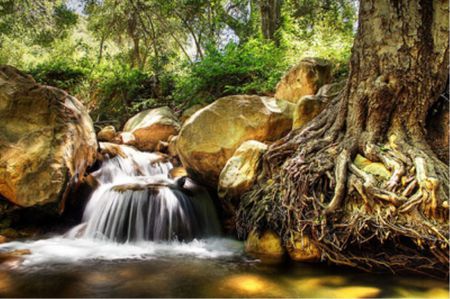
x,y
137,201
72,250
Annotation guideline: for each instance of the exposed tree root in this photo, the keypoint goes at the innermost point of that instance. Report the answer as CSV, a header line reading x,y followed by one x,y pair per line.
x,y
356,218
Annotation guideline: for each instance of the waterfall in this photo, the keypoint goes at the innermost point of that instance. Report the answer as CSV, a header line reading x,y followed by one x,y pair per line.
x,y
137,200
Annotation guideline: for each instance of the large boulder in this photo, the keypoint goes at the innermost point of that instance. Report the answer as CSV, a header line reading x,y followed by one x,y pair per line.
x,y
47,140
210,137
303,79
151,126
241,169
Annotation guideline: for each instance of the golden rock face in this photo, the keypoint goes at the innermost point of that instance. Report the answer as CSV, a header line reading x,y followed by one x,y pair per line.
x,y
151,126
266,245
303,79
46,139
241,170
211,136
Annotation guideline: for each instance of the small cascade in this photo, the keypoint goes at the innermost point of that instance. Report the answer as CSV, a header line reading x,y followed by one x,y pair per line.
x,y
137,200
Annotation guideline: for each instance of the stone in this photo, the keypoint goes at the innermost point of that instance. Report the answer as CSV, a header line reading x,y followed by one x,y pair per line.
x,y
303,250
303,79
189,112
151,126
331,90
107,133
172,147
267,245
306,109
47,140
375,168
241,170
3,239
126,138
210,137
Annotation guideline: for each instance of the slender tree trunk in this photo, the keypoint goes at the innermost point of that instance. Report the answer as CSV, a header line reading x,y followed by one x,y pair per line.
x,y
270,19
398,68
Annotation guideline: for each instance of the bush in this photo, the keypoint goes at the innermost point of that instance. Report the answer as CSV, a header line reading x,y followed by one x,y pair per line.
x,y
63,74
252,68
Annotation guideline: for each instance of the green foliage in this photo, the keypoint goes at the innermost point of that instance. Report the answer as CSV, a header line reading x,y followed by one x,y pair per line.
x,y
252,68
60,73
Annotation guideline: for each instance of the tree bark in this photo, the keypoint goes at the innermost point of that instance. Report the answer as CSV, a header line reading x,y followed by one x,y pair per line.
x,y
398,68
270,19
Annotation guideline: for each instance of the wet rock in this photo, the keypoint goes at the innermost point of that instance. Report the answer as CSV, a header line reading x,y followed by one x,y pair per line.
x,y
126,138
172,147
47,140
13,255
303,250
151,126
303,79
268,245
3,239
241,170
107,133
177,172
375,168
211,136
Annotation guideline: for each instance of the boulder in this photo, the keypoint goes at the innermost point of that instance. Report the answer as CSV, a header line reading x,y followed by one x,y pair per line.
x,y
240,171
305,78
303,250
47,140
308,107
189,112
151,126
211,136
107,133
266,246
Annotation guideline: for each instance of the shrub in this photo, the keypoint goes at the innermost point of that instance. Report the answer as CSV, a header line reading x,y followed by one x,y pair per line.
x,y
251,68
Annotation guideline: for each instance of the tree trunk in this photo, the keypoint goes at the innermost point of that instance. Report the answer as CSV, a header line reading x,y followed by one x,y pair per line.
x,y
270,19
398,68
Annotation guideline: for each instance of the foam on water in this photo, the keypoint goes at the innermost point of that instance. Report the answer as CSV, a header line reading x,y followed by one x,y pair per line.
x,y
72,250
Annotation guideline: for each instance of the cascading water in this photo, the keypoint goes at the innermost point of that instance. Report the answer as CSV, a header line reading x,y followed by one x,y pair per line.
x,y
137,200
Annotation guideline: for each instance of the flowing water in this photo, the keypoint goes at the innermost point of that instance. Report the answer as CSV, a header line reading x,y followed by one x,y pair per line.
x,y
147,234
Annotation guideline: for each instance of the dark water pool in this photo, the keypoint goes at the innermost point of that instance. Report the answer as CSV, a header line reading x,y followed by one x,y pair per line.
x,y
214,268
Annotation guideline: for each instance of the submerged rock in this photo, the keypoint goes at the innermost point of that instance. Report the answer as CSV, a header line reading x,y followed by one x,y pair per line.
x,y
268,245
211,136
47,140
151,126
241,169
303,79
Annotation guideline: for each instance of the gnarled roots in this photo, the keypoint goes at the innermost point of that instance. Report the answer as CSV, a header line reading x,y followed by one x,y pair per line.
x,y
312,185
